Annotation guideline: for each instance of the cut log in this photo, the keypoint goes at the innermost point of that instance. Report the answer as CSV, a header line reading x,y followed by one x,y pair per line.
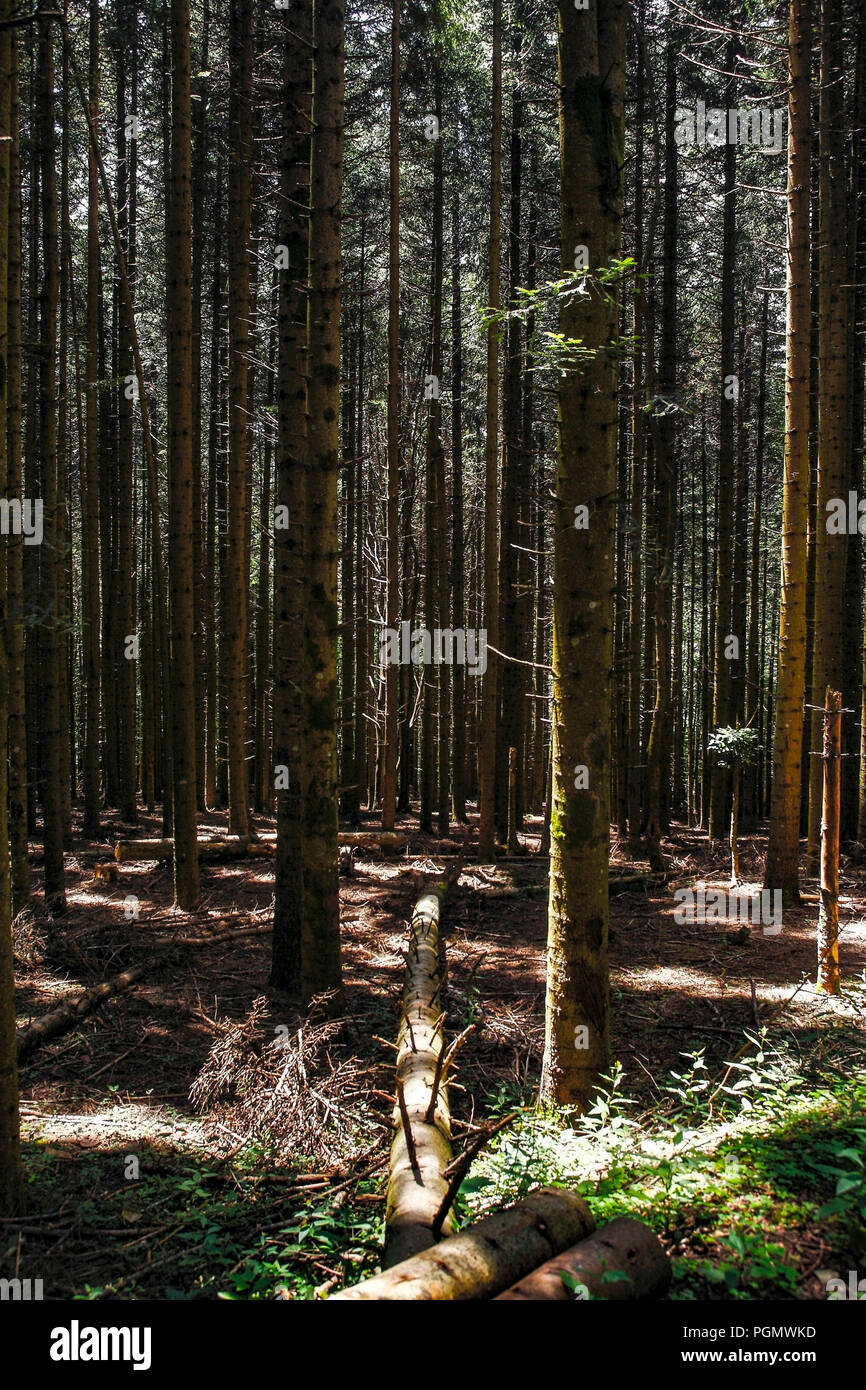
x,y
484,1259
217,850
421,1148
624,1247
64,1019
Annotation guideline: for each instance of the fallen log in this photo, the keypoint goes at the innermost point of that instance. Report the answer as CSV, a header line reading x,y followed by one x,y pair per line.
x,y
421,1147
217,850
625,1247
484,1259
64,1019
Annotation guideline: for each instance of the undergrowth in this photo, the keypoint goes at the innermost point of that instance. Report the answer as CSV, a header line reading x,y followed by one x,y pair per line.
x,y
734,1179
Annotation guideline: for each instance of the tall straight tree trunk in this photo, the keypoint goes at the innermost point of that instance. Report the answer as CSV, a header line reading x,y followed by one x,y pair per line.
x,y
592,48
290,523
638,435
362,636
392,600
200,98
264,776
660,739
512,568
757,598
209,607
181,466
235,617
720,781
458,600
16,728
830,547
853,765
51,674
488,733
321,967
782,867
126,212
435,515
11,1179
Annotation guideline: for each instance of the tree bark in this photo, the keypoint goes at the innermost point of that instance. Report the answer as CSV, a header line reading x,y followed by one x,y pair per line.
x,y
392,599
623,1247
421,1148
782,866
485,1258
592,81
181,465
488,732
320,954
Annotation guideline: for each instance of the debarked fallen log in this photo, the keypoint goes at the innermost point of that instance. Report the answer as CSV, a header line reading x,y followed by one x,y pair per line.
x,y
218,850
622,1261
486,1258
421,1147
63,1019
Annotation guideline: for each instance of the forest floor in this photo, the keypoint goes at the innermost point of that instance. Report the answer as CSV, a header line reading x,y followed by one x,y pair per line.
x,y
134,1192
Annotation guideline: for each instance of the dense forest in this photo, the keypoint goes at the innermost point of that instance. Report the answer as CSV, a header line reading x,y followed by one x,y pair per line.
x,y
432,623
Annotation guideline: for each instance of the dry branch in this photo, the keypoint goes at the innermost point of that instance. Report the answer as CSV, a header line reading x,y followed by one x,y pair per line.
x,y
64,1019
484,1259
624,1246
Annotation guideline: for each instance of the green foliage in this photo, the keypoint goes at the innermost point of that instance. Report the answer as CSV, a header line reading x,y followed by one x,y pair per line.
x,y
548,347
732,747
719,1171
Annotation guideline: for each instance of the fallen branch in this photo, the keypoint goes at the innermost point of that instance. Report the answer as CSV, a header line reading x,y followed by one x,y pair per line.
x,y
484,1259
624,1247
64,1019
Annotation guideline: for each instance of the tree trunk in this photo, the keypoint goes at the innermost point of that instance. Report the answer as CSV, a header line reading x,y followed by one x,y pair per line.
x,y
11,1178
488,732
235,618
829,981
485,1258
624,1247
320,956
14,544
592,79
728,392
181,466
660,740
289,534
51,675
421,1148
392,600
782,867
830,548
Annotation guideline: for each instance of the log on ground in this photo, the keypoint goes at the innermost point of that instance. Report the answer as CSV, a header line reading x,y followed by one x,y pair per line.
x,y
486,1258
421,1148
64,1019
624,1248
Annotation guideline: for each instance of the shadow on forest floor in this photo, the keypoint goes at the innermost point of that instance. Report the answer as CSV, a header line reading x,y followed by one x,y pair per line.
x,y
118,1087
